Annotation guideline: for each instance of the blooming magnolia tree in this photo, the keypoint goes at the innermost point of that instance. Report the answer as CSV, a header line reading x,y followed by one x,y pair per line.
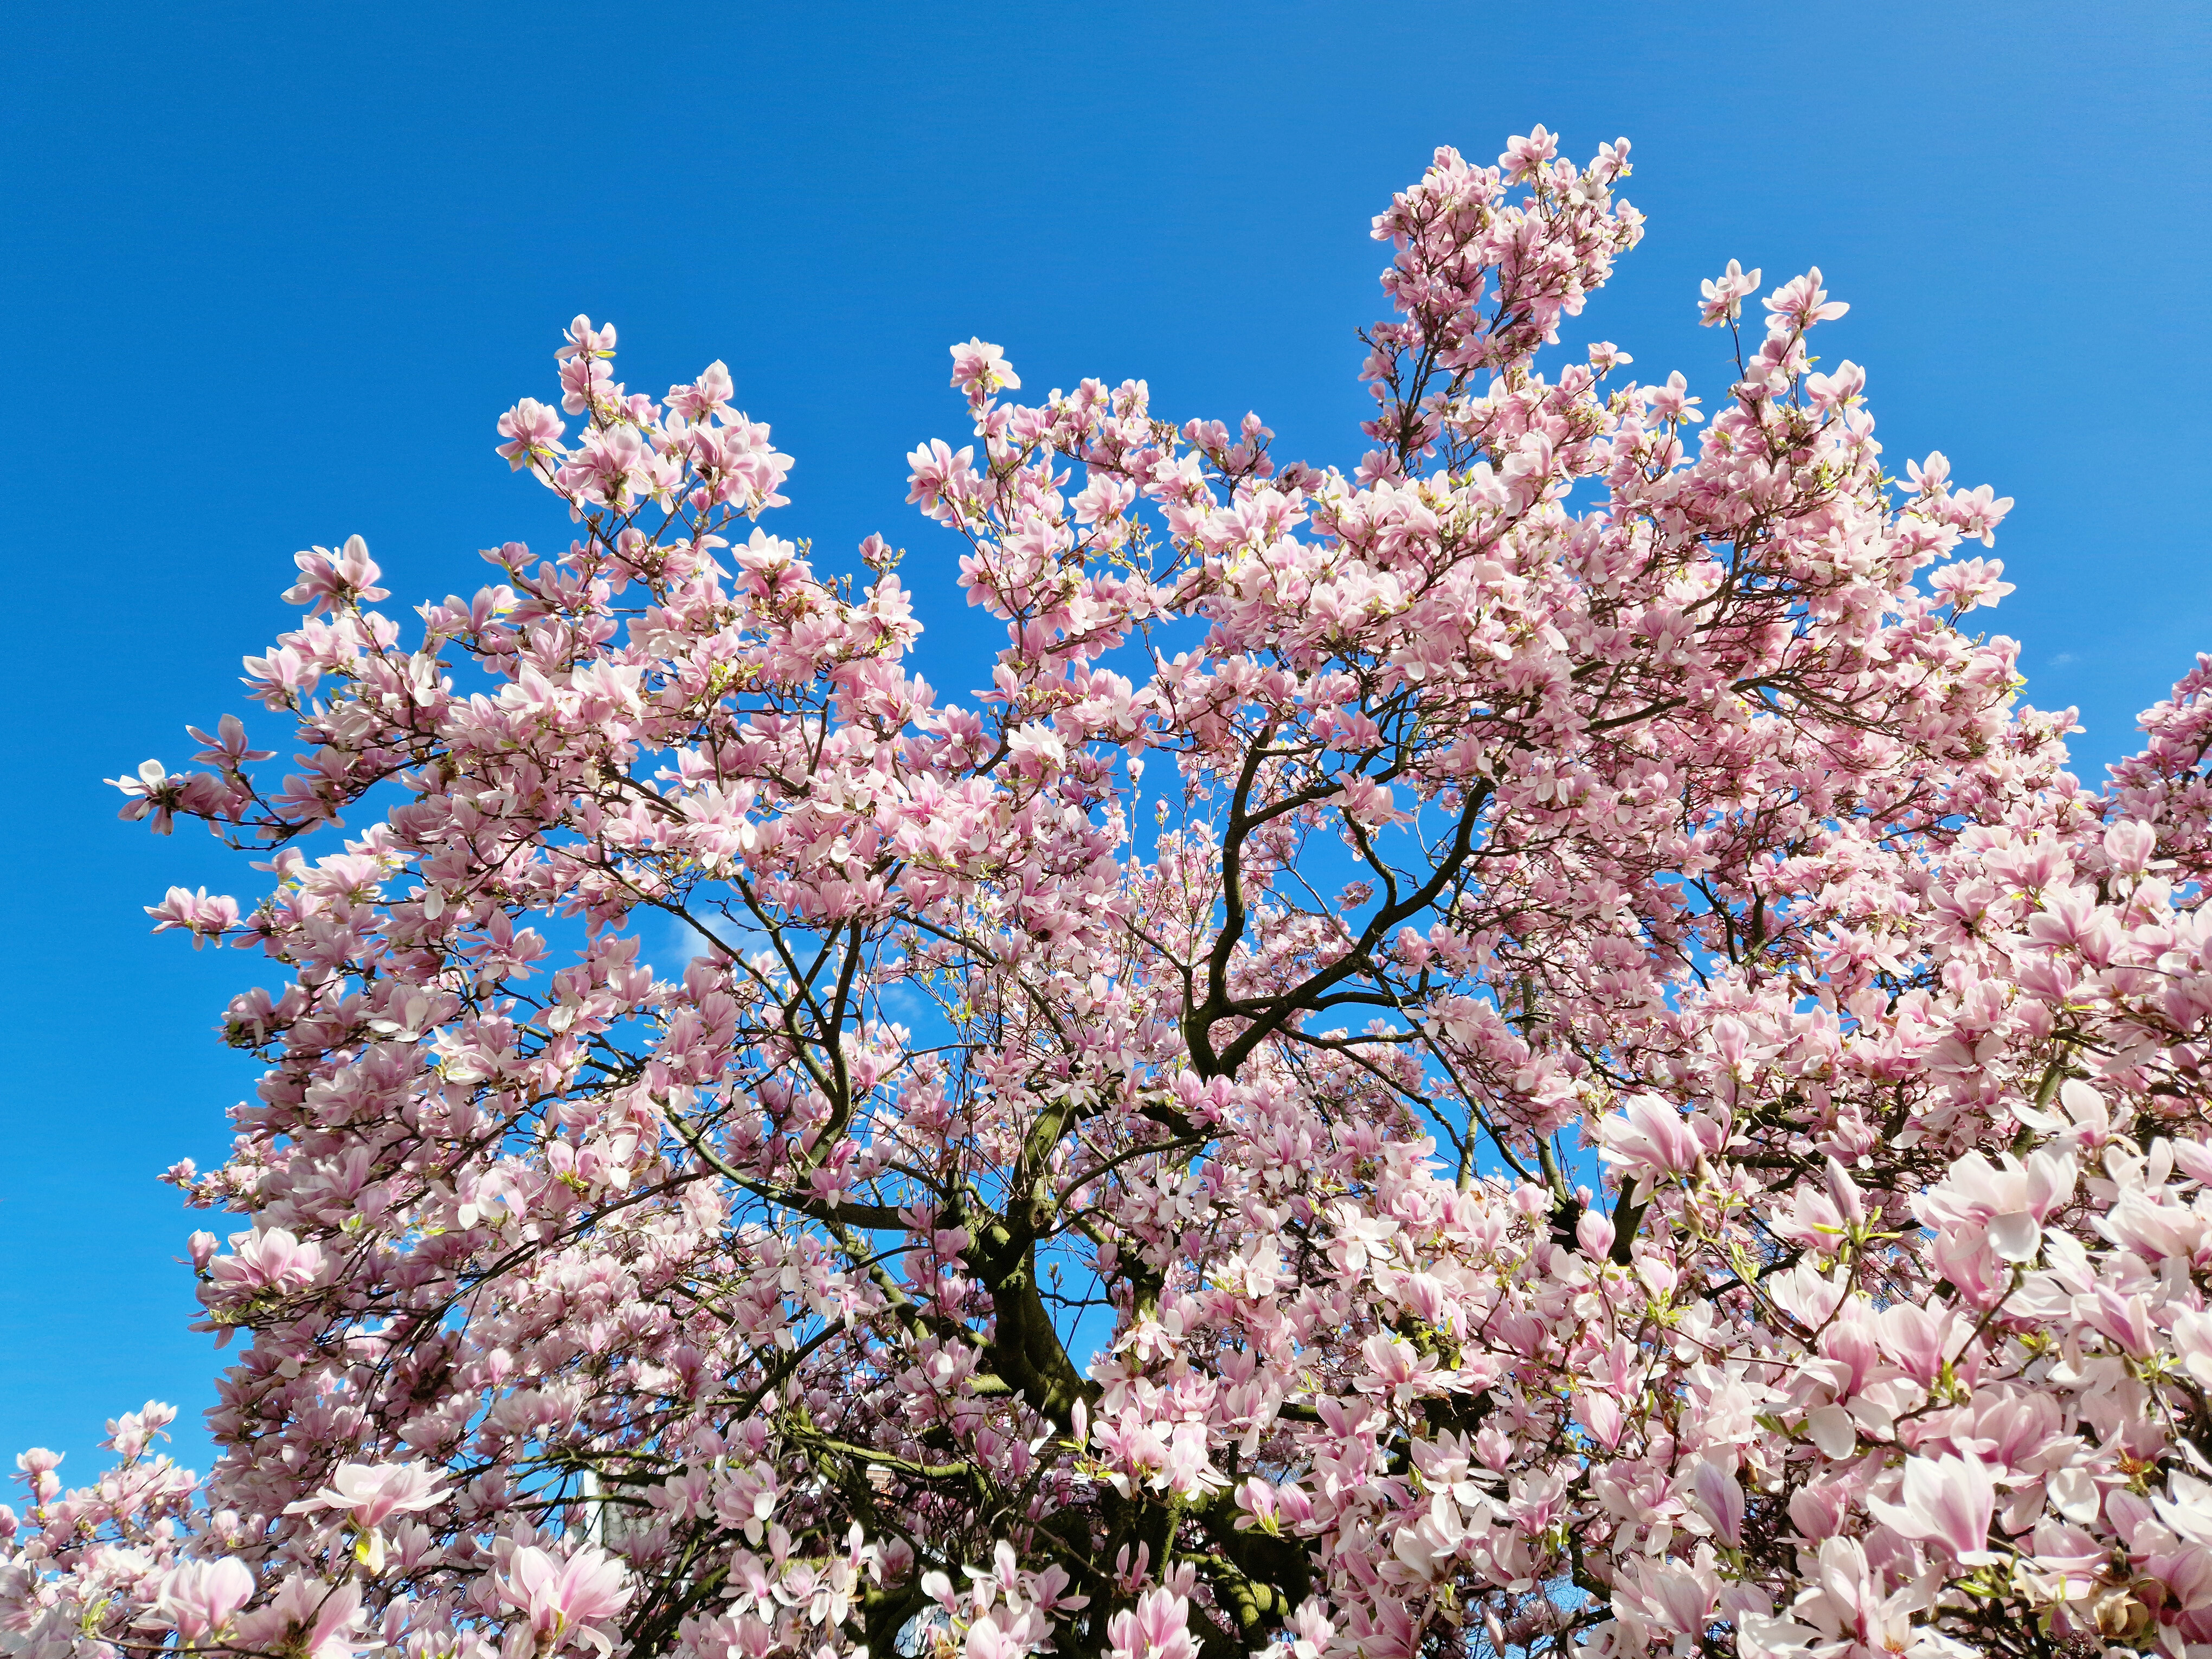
x,y
1523,1049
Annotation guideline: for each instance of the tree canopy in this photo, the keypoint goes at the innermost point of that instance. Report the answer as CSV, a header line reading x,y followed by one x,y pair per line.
x,y
1524,1049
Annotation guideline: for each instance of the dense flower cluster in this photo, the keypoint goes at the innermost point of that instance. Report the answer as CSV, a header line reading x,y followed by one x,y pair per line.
x,y
1523,1048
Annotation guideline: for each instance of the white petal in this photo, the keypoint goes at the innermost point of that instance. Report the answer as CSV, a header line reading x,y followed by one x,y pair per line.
x,y
2073,1495
2016,1236
1832,1430
1873,1416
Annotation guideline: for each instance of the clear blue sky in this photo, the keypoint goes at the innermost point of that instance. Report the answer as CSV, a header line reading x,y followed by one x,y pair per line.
x,y
273,271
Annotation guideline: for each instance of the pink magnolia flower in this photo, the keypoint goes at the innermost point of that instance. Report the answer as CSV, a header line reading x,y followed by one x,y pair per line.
x,y
564,1598
2130,844
1398,1370
1971,583
1524,155
532,432
988,1639
1720,1495
37,1468
1948,1502
269,1260
306,1616
205,916
152,793
1978,512
1801,303
1650,1133
1158,1627
331,580
2007,1197
198,1598
1841,390
371,1492
980,369
130,1434
1724,295
229,747
708,397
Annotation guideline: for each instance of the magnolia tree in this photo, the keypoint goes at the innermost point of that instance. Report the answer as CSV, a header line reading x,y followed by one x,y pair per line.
x,y
1526,1048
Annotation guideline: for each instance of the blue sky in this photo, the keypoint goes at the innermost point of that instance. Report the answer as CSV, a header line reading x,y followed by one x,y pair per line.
x,y
273,271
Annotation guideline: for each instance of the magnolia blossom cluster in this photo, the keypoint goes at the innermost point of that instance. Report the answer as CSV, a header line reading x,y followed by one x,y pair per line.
x,y
1525,1048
